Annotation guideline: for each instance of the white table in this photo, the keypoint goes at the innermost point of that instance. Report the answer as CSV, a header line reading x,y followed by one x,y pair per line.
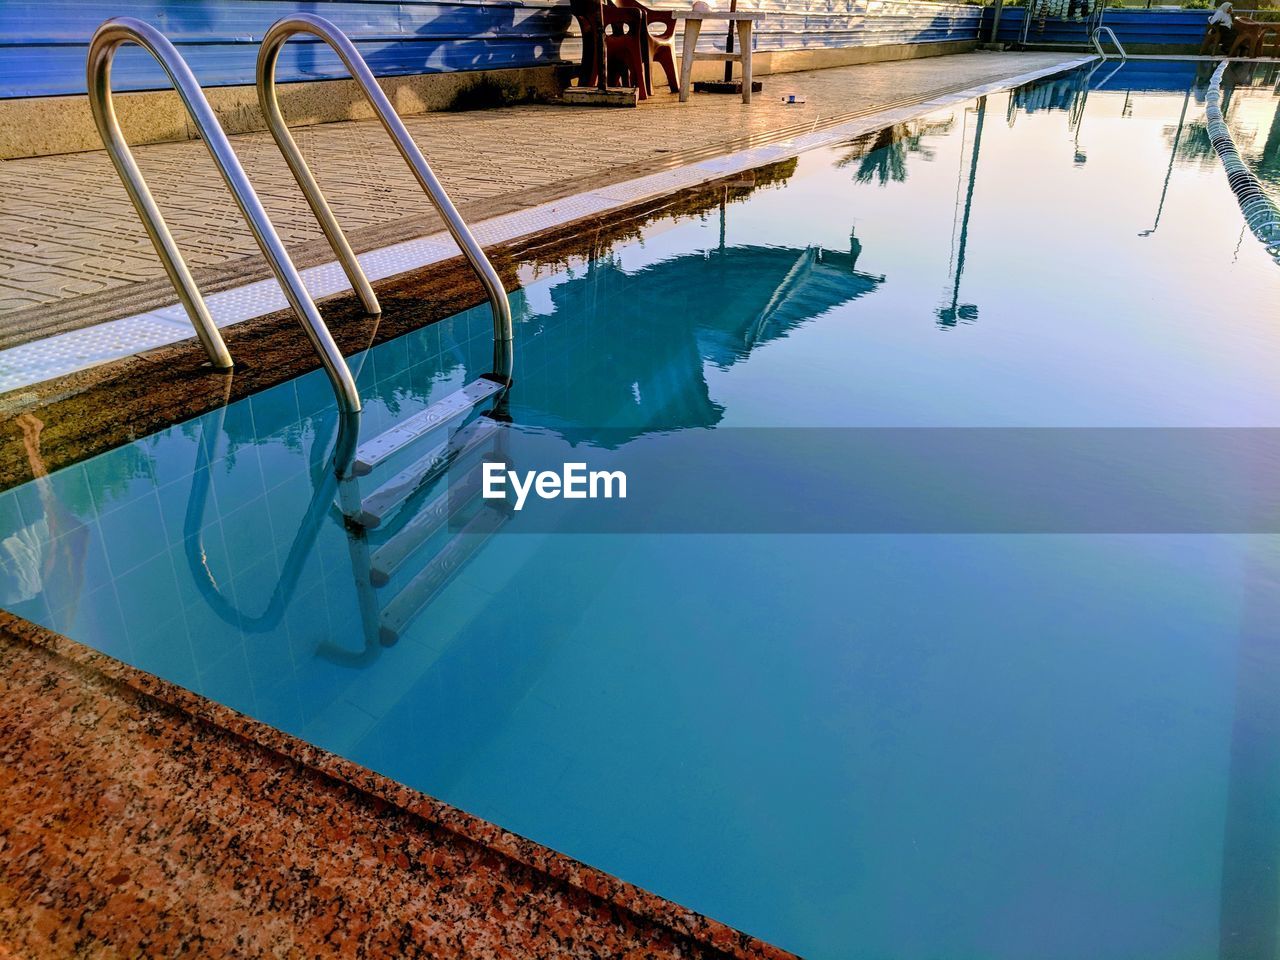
x,y
693,26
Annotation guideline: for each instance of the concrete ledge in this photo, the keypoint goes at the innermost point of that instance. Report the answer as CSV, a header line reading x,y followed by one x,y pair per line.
x,y
766,62
595,97
42,126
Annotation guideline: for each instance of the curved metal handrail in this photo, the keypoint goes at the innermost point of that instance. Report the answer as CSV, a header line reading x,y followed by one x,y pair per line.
x,y
318,27
102,50
1097,44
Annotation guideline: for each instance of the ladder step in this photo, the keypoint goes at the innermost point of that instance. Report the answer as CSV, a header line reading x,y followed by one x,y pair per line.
x,y
383,501
426,521
406,606
373,452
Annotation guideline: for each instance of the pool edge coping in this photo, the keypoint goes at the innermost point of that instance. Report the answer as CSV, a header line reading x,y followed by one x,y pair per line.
x,y
264,297
559,867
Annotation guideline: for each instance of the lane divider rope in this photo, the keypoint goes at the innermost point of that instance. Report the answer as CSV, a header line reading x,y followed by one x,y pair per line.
x,y
1260,211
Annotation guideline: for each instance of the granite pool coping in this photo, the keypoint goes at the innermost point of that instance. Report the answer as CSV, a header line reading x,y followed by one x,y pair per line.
x,y
643,924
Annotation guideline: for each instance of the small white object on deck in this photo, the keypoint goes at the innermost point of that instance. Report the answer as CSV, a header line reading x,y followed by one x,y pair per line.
x,y
792,98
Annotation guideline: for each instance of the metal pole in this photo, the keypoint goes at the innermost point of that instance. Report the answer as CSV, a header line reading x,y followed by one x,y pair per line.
x,y
101,52
267,57
602,51
728,44
995,21
307,23
102,49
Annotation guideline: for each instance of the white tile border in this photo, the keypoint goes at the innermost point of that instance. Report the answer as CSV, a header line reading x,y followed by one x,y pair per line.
x,y
65,353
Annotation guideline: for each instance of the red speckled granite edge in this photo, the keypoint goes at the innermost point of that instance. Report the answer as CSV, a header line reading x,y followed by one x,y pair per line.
x,y
597,883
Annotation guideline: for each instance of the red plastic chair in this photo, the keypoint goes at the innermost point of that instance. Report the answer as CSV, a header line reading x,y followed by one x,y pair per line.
x,y
660,48
626,57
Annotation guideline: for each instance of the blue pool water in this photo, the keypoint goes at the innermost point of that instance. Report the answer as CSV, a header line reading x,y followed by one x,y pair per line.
x,y
854,746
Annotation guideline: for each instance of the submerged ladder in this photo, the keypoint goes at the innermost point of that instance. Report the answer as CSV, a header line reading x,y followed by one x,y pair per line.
x,y
372,569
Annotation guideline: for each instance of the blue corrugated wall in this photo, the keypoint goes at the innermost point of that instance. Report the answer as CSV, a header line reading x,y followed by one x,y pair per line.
x,y
43,42
1167,27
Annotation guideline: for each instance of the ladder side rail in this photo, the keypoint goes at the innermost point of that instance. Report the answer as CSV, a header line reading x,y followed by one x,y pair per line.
x,y
1097,43
107,40
322,29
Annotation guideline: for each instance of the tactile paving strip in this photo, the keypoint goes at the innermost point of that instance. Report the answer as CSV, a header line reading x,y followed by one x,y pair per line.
x,y
65,353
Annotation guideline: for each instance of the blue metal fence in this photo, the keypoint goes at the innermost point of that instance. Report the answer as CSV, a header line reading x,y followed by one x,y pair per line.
x,y
43,42
1183,28
811,24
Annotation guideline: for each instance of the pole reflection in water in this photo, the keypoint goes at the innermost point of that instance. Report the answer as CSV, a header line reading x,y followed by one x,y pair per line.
x,y
951,314
1173,153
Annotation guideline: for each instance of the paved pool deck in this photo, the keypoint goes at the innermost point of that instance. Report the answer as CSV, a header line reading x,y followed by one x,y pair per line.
x,y
73,253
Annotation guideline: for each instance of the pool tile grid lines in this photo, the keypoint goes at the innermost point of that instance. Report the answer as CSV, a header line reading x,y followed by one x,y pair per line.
x,y
52,357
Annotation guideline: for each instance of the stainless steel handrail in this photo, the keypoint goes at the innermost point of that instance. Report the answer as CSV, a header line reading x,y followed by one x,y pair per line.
x,y
102,49
1097,45
322,29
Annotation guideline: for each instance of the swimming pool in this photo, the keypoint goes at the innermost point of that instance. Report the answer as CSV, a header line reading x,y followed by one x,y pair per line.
x,y
876,745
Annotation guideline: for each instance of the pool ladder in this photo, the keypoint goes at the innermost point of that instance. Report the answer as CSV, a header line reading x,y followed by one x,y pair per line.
x,y
1096,37
373,568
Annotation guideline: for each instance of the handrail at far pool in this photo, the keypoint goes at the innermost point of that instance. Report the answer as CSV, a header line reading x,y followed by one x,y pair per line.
x,y
1097,44
107,39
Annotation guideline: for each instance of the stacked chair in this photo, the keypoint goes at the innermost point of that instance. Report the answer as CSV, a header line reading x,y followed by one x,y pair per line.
x,y
629,45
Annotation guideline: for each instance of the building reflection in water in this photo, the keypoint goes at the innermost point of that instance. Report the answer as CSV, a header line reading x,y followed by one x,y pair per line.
x,y
718,306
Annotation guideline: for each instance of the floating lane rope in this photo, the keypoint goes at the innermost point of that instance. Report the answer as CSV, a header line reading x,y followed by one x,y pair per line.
x,y
1260,211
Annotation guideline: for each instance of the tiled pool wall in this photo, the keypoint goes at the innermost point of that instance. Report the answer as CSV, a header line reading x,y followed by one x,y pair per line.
x,y
104,406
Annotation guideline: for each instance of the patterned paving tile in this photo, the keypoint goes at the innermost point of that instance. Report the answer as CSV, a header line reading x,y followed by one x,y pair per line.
x,y
67,230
